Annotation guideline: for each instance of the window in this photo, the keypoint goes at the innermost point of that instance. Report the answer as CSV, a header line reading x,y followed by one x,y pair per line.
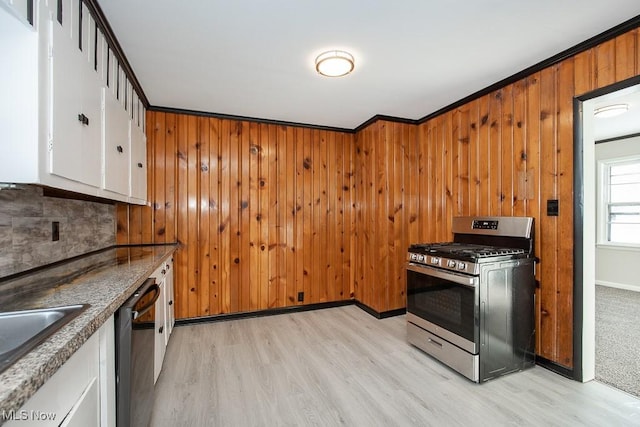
x,y
620,201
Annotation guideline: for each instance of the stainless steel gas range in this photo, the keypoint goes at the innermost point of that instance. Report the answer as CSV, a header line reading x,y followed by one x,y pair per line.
x,y
470,302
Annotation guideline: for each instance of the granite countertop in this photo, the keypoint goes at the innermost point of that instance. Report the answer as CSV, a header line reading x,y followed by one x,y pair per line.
x,y
105,280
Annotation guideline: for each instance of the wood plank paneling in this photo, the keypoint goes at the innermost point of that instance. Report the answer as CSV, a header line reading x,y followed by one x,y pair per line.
x,y
564,261
605,55
625,52
494,164
533,205
484,159
255,256
247,207
508,163
520,179
194,287
159,184
385,162
215,216
236,204
261,212
181,274
224,221
204,217
474,157
548,224
272,239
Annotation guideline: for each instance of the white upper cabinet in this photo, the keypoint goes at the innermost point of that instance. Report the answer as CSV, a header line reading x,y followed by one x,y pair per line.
x,y
70,117
138,154
117,146
19,9
19,115
75,92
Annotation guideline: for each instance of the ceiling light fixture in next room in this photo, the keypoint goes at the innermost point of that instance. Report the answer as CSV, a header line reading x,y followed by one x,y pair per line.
x,y
611,110
335,63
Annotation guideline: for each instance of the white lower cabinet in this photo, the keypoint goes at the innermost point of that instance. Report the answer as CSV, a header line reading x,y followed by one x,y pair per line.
x,y
106,335
165,318
160,340
85,412
170,318
74,395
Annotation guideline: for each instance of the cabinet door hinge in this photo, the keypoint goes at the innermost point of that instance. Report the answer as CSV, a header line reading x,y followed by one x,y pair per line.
x,y
50,145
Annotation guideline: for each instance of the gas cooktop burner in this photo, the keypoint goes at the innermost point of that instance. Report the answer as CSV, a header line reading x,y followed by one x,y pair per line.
x,y
463,250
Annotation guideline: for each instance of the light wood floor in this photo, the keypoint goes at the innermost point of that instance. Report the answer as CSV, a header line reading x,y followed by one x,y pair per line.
x,y
341,366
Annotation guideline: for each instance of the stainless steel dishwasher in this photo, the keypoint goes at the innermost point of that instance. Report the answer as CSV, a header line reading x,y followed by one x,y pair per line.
x,y
134,357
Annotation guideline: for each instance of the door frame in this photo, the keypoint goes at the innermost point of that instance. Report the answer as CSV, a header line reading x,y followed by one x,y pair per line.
x,y
583,308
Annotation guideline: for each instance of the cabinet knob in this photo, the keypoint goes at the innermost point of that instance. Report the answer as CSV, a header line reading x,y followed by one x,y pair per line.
x,y
120,149
161,329
171,302
83,119
140,165
164,271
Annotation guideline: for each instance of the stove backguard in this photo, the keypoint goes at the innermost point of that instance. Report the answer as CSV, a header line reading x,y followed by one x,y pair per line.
x,y
505,231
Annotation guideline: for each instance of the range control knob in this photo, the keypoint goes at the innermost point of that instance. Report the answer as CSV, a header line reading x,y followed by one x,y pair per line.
x,y
462,266
435,260
451,264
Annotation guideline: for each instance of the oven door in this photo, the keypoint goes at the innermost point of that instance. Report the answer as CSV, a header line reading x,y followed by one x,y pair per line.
x,y
445,304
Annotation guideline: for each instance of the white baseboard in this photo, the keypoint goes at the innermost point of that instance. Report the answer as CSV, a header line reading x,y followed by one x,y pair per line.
x,y
624,286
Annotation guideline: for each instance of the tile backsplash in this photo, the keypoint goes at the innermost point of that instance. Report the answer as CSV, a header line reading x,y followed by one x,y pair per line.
x,y
26,218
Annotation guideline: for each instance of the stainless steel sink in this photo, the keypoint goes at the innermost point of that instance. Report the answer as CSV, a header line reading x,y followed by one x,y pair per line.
x,y
21,331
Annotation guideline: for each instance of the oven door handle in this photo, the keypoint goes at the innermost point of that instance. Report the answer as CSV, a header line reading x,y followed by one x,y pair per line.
x,y
469,281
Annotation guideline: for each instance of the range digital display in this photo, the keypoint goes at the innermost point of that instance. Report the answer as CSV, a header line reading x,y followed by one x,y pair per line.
x,y
484,225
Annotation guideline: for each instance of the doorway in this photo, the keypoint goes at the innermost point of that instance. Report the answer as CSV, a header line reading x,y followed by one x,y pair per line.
x,y
588,130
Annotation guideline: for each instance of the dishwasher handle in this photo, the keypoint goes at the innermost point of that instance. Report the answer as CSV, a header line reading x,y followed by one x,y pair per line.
x,y
153,288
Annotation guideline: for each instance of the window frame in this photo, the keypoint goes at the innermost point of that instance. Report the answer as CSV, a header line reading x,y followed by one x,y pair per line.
x,y
604,204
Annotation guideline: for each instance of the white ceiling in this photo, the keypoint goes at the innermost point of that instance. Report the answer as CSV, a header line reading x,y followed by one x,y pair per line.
x,y
254,58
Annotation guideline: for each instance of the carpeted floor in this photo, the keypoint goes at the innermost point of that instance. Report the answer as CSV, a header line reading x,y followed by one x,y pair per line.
x,y
618,338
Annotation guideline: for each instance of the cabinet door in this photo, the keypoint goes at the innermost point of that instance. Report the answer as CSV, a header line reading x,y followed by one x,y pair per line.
x,y
168,283
74,115
85,412
106,336
67,389
91,137
64,93
116,145
138,162
159,345
19,100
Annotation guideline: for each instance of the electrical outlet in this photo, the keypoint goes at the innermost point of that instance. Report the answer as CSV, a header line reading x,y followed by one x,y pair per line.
x,y
55,231
300,296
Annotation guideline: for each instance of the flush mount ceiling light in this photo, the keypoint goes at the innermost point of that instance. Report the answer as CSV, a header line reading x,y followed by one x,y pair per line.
x,y
334,63
611,110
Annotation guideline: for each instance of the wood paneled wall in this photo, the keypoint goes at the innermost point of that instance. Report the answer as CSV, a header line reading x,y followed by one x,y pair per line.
x,y
505,153
387,209
261,211
266,211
